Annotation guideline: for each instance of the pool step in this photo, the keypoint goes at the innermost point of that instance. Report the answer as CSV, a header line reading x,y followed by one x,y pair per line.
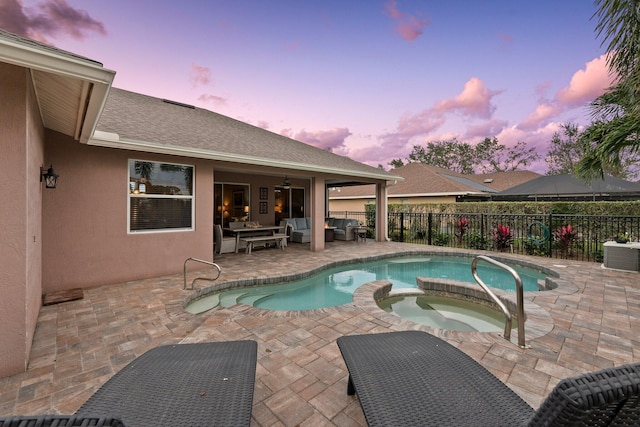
x,y
231,297
203,304
250,299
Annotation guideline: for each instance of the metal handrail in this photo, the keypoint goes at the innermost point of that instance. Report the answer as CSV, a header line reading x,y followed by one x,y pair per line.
x,y
213,264
519,297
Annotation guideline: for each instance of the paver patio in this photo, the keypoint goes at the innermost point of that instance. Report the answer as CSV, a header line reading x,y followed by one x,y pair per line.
x,y
301,378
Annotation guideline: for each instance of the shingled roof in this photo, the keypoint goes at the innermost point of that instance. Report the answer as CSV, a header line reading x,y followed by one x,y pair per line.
x,y
422,180
139,122
568,187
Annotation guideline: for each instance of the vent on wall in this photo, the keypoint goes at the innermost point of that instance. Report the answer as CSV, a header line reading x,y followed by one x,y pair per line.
x,y
179,104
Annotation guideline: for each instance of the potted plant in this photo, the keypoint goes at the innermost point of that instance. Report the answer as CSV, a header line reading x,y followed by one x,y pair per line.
x,y
622,237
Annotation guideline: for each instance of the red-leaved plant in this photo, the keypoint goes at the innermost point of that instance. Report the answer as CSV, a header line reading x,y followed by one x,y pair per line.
x,y
461,228
565,235
502,237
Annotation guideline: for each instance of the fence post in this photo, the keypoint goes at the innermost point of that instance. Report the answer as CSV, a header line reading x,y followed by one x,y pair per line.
x,y
550,235
429,223
402,226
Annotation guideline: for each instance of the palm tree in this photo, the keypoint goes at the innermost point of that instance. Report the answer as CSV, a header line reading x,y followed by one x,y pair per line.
x,y
614,133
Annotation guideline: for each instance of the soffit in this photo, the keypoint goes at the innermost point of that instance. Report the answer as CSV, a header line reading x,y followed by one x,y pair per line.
x,y
60,99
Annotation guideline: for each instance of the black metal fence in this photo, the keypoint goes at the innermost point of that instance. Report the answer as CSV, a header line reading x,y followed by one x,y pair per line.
x,y
579,237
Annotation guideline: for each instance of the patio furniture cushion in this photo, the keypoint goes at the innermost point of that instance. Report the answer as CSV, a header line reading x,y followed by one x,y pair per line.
x,y
186,384
415,378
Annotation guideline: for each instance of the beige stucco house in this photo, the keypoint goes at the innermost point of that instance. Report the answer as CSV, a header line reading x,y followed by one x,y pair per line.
x,y
141,183
428,184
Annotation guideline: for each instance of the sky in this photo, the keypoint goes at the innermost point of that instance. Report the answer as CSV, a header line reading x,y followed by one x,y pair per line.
x,y
367,79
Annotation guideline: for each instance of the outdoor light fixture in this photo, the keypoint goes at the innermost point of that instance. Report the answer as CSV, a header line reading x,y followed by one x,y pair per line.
x,y
50,177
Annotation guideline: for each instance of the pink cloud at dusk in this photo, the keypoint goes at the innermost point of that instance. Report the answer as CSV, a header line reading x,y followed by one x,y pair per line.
x,y
409,27
585,86
332,140
212,99
200,75
55,17
474,100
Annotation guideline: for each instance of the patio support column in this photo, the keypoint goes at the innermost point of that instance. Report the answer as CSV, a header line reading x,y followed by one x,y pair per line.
x,y
318,209
381,212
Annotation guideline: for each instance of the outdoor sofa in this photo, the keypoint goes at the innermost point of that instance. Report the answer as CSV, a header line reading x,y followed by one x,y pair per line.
x,y
205,384
300,228
343,227
413,378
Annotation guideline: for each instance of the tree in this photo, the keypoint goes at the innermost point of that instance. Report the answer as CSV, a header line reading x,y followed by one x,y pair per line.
x,y
491,156
613,135
396,163
452,154
462,157
564,154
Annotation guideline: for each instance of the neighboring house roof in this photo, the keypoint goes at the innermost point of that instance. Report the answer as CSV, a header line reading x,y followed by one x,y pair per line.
x,y
568,187
70,89
422,180
139,122
500,181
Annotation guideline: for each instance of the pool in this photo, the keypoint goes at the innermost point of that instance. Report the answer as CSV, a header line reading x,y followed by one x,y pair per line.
x,y
445,313
335,286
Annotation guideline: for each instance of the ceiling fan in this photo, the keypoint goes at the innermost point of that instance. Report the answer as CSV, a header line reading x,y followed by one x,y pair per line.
x,y
286,184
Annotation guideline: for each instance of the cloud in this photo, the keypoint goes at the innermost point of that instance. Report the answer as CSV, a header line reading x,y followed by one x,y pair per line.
x,y
544,112
212,99
474,100
332,140
506,38
586,84
200,75
486,129
54,17
409,27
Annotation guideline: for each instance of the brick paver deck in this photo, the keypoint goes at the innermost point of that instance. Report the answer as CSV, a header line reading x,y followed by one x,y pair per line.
x,y
301,379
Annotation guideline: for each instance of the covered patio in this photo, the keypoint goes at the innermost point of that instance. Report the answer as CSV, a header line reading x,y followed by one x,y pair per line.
x,y
301,378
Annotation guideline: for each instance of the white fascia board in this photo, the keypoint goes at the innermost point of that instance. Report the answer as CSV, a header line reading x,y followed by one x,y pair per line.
x,y
57,63
447,193
112,140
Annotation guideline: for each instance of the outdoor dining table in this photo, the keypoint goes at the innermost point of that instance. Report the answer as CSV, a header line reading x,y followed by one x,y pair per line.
x,y
246,230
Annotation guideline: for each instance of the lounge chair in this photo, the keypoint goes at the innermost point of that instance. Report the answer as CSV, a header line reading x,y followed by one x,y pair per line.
x,y
414,378
206,384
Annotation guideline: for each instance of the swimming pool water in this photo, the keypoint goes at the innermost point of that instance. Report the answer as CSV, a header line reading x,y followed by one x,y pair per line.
x,y
335,286
445,313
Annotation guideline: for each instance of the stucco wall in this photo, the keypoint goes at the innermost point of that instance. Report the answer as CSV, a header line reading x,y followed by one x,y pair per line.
x,y
20,263
85,222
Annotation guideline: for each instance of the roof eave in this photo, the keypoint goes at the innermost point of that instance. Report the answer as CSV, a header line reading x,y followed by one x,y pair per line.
x,y
58,63
111,140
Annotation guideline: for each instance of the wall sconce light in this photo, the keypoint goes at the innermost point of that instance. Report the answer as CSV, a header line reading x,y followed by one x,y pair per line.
x,y
246,209
50,177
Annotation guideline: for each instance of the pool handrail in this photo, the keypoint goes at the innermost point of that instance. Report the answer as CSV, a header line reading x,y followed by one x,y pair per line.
x,y
519,297
213,264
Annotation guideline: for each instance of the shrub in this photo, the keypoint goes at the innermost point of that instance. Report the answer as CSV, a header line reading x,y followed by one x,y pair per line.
x,y
440,239
477,241
502,237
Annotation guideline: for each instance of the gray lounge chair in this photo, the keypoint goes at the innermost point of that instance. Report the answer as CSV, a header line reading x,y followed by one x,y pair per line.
x,y
414,378
207,384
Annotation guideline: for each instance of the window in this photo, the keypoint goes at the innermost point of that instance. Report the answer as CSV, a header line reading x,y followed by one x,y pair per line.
x,y
160,196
